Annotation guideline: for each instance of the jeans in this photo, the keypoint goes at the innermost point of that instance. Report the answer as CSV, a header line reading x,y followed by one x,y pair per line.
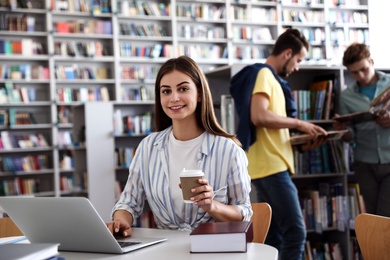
x,y
287,232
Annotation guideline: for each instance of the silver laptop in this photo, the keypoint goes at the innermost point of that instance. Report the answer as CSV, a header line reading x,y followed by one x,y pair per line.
x,y
72,222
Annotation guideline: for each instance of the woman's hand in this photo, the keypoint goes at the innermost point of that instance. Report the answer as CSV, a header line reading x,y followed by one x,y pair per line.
x,y
204,195
121,226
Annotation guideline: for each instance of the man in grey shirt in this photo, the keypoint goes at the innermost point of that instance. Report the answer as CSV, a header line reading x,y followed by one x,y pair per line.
x,y
371,140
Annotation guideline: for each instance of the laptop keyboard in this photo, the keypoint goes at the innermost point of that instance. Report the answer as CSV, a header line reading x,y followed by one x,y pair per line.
x,y
126,244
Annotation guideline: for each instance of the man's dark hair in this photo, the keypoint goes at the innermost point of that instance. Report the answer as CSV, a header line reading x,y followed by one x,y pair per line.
x,y
290,39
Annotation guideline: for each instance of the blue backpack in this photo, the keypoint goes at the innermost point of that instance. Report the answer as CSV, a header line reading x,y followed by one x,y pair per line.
x,y
241,88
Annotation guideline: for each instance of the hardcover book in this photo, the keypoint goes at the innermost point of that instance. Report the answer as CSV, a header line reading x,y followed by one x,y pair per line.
x,y
221,237
28,251
378,105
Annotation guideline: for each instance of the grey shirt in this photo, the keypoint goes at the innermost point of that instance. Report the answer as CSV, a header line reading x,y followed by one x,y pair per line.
x,y
371,141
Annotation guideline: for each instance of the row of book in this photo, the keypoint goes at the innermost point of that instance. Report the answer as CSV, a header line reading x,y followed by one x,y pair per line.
x,y
201,11
19,186
315,250
313,35
316,102
132,124
212,52
67,183
84,6
128,49
20,23
26,47
82,94
24,163
132,8
252,33
12,117
190,31
9,93
332,157
64,139
302,2
80,49
348,17
340,36
151,29
11,141
124,156
254,14
141,93
356,201
347,2
74,71
329,208
251,52
325,207
64,115
304,16
84,27
12,4
139,72
24,71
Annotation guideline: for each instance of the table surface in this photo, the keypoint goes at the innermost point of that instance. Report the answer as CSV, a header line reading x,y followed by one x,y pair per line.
x,y
176,247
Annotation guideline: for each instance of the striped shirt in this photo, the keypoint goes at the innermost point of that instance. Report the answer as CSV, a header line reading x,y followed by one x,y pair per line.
x,y
223,162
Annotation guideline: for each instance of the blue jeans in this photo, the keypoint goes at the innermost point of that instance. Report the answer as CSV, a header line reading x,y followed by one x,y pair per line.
x,y
287,231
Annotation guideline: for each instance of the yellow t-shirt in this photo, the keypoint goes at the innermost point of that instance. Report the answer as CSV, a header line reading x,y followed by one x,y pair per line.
x,y
272,151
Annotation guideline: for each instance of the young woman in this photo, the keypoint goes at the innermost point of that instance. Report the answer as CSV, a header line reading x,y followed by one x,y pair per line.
x,y
187,136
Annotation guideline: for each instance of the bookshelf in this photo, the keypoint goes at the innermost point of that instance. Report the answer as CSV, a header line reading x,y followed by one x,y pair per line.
x,y
110,51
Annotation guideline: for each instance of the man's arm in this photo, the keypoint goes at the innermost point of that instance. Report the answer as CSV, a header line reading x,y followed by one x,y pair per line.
x,y
261,116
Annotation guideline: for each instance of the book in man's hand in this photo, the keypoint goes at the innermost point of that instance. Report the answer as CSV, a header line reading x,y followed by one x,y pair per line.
x,y
35,251
306,138
217,237
378,105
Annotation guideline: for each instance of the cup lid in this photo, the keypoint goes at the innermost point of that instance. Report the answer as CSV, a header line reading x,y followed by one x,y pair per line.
x,y
187,173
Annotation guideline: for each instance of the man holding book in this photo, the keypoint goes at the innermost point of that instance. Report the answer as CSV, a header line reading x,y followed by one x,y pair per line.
x,y
370,139
270,156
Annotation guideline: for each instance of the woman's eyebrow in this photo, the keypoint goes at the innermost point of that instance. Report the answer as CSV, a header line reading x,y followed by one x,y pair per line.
x,y
178,85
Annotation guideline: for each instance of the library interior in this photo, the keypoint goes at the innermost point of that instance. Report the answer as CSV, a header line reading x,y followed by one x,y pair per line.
x,y
77,95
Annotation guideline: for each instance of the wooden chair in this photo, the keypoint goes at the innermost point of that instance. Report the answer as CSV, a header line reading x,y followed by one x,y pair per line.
x,y
373,236
8,228
261,220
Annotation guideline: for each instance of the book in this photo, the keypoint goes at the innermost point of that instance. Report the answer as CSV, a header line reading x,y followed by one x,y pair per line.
x,y
306,138
28,251
12,240
377,106
208,237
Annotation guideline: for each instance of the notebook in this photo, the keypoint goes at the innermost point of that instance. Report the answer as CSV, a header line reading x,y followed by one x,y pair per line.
x,y
72,222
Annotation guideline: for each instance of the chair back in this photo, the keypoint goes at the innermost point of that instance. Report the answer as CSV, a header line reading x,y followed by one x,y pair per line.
x,y
261,220
8,228
373,236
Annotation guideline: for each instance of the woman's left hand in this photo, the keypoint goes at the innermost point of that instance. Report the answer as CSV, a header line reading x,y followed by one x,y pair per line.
x,y
204,195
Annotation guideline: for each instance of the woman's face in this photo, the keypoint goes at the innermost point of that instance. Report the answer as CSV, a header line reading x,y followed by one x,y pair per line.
x,y
179,96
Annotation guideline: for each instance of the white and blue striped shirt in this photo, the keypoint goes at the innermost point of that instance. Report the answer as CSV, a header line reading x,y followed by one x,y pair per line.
x,y
223,162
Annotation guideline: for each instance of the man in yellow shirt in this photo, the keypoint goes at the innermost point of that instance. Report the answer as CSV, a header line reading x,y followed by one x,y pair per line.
x,y
270,157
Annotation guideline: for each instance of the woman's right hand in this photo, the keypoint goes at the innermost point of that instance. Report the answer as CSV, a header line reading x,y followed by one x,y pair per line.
x,y
121,226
